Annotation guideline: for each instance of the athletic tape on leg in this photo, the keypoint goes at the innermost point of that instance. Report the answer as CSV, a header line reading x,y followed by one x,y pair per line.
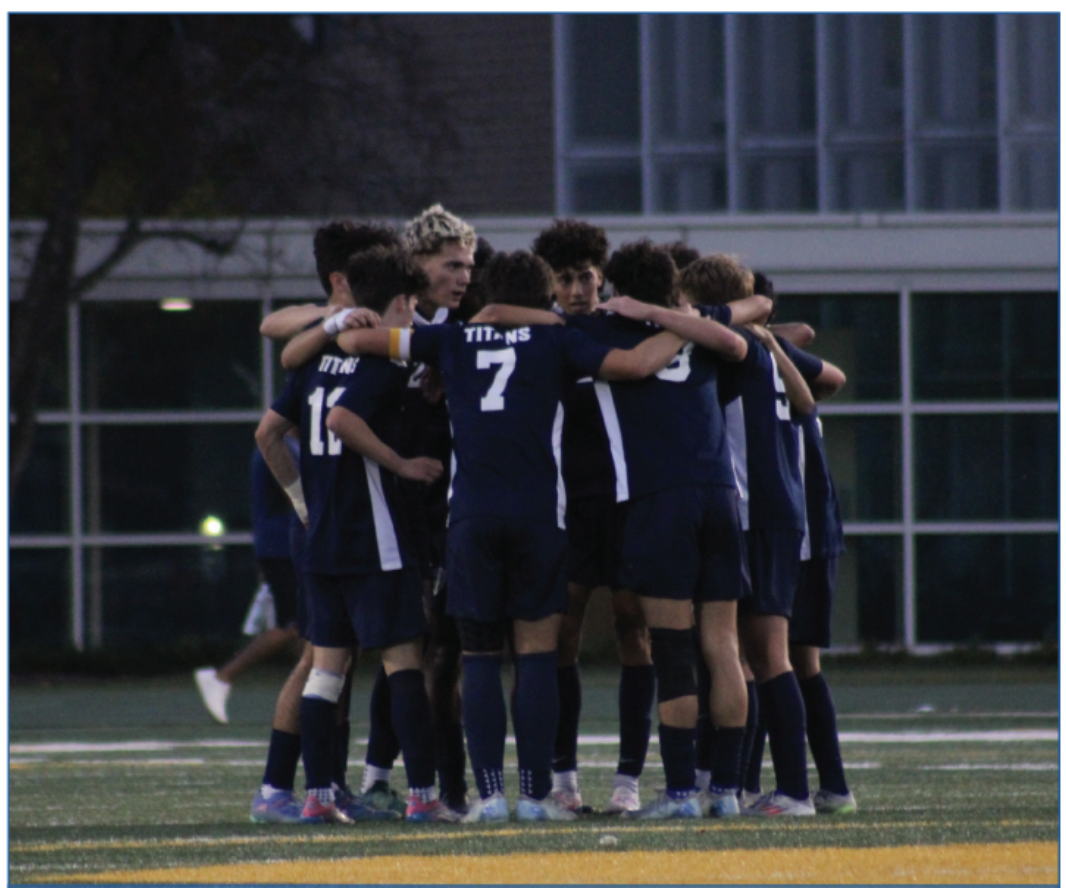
x,y
324,685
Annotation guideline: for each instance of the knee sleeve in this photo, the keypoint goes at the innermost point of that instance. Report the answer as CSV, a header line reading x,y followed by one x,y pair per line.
x,y
324,686
482,638
673,656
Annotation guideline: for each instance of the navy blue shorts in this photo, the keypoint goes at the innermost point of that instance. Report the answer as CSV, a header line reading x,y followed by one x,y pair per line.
x,y
595,529
686,543
506,568
298,545
774,560
280,575
375,610
813,610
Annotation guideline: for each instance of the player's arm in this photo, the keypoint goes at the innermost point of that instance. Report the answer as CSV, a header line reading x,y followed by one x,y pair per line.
x,y
799,334
651,356
796,389
830,381
752,310
354,432
374,341
702,331
287,322
303,347
270,438
498,315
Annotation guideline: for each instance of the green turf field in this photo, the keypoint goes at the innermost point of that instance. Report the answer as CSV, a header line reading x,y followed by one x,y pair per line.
x,y
112,777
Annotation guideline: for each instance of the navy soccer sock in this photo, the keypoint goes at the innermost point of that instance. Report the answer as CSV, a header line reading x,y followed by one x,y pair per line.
x,y
822,733
410,716
636,694
485,720
678,749
564,757
318,730
754,741
704,728
382,746
728,747
536,720
283,755
786,727
449,751
340,753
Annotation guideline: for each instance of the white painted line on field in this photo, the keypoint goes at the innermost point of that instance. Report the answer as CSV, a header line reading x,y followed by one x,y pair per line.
x,y
1020,766
135,746
947,736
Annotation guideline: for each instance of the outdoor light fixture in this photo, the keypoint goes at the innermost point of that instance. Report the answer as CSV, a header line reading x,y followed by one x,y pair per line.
x,y
175,304
212,527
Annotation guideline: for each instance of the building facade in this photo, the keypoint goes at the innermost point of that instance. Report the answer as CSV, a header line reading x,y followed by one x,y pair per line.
x,y
897,177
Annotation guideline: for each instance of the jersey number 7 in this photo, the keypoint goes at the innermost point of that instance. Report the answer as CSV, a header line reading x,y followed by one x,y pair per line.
x,y
486,360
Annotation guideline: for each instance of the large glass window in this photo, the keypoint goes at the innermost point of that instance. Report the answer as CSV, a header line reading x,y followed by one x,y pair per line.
x,y
41,503
869,592
212,356
987,467
865,459
985,346
167,478
859,333
54,393
984,588
748,112
162,595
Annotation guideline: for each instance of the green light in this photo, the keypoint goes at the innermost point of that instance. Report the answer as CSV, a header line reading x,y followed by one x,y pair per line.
x,y
212,526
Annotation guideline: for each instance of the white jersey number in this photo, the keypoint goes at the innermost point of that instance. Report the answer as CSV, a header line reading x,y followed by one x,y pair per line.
x,y
316,400
493,399
780,395
679,368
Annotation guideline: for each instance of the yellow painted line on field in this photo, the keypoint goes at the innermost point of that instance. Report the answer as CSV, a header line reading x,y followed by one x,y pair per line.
x,y
1023,863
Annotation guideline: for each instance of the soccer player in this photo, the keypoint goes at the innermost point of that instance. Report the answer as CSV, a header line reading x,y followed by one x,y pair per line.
x,y
577,252
760,396
683,550
271,515
809,626
364,585
506,535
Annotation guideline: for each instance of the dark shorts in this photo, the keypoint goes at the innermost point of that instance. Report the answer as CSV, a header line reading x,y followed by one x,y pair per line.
x,y
813,610
686,543
376,610
506,568
280,576
774,560
595,529
298,545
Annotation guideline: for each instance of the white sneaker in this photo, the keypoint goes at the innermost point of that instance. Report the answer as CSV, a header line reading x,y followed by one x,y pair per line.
x,y
719,804
214,693
664,807
623,799
777,804
543,809
747,799
567,798
826,802
491,810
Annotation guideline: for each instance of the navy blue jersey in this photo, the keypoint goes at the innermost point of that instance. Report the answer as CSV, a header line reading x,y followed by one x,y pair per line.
x,y
825,529
271,510
666,430
505,391
763,440
351,501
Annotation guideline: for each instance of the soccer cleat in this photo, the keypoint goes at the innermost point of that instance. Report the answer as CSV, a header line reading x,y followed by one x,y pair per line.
x,y
315,811
355,807
719,804
457,802
382,797
777,804
623,799
569,799
826,802
542,809
665,807
748,798
281,807
213,692
429,812
491,810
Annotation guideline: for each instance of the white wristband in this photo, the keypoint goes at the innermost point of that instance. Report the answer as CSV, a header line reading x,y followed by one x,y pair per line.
x,y
296,494
335,323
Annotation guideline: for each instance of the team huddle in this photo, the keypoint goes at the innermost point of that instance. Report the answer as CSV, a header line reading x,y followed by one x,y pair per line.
x,y
484,441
